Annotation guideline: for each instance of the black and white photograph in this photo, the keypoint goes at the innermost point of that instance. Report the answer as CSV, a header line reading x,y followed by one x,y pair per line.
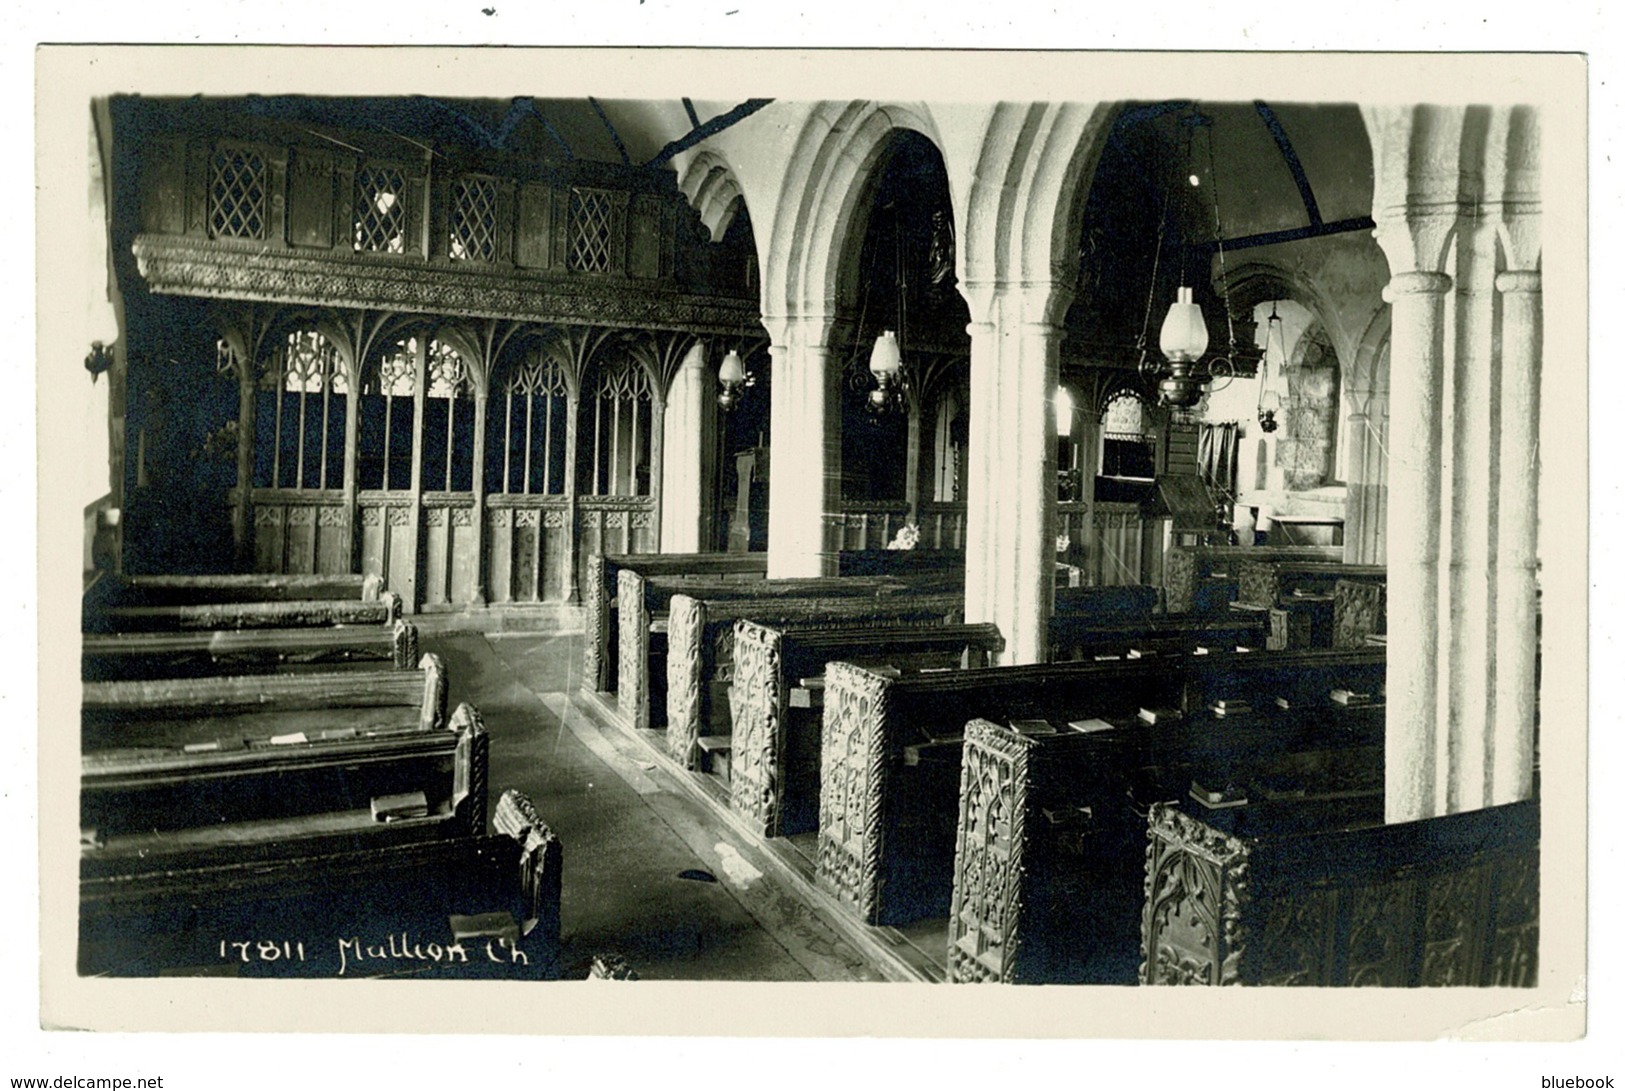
x,y
737,543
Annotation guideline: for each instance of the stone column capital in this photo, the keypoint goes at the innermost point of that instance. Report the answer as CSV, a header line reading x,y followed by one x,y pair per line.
x,y
1031,303
1518,281
1416,283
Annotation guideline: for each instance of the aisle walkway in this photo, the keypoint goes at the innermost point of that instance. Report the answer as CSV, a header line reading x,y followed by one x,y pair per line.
x,y
630,833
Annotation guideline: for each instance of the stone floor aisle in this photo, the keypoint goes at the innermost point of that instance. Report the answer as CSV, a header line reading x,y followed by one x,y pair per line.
x,y
630,832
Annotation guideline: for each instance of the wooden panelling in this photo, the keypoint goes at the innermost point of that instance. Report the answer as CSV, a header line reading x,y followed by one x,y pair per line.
x,y
872,524
163,203
942,525
310,198
533,243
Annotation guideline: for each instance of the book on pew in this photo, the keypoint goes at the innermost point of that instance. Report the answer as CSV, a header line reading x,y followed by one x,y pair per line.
x,y
499,925
1108,658
1229,706
1089,727
289,739
1349,697
1032,727
1161,715
1216,799
400,805
1283,703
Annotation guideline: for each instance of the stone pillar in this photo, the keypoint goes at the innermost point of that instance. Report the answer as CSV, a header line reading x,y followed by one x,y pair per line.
x,y
1468,605
1512,739
1413,758
688,467
1460,186
804,475
1015,366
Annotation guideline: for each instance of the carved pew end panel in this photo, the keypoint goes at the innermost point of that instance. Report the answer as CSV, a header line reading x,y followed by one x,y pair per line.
x,y
685,629
472,772
1195,877
1443,901
632,687
541,864
853,793
758,773
595,607
984,937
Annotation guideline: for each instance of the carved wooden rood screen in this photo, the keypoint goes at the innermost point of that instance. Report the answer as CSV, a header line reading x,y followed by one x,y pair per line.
x,y
453,379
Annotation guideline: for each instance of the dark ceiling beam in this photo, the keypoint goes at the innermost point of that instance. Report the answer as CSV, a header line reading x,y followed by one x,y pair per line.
x,y
1295,234
613,135
710,128
693,118
1290,156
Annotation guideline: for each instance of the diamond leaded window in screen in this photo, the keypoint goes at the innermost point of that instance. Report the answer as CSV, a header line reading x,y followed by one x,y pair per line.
x,y
530,429
473,220
299,421
616,415
237,193
592,218
380,210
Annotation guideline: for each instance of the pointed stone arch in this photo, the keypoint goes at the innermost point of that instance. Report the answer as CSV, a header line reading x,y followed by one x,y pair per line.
x,y
713,189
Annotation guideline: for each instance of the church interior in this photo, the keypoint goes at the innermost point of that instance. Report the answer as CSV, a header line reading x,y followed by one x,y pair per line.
x,y
775,540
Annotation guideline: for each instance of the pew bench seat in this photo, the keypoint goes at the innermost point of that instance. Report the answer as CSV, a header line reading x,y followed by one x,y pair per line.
x,y
139,808
323,613
887,829
475,906
776,703
108,657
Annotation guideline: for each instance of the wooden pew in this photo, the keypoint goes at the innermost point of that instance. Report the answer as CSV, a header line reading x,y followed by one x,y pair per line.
x,y
1099,605
151,809
946,563
700,643
257,587
1269,583
1049,860
176,712
1300,899
108,657
774,768
892,746
1081,638
1359,610
1186,567
600,587
385,611
645,602
351,910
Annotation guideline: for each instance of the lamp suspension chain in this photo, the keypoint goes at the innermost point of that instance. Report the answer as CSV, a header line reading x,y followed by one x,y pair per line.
x,y
1218,238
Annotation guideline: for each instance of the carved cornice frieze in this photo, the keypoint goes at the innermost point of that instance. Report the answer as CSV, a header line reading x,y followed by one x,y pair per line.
x,y
198,267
